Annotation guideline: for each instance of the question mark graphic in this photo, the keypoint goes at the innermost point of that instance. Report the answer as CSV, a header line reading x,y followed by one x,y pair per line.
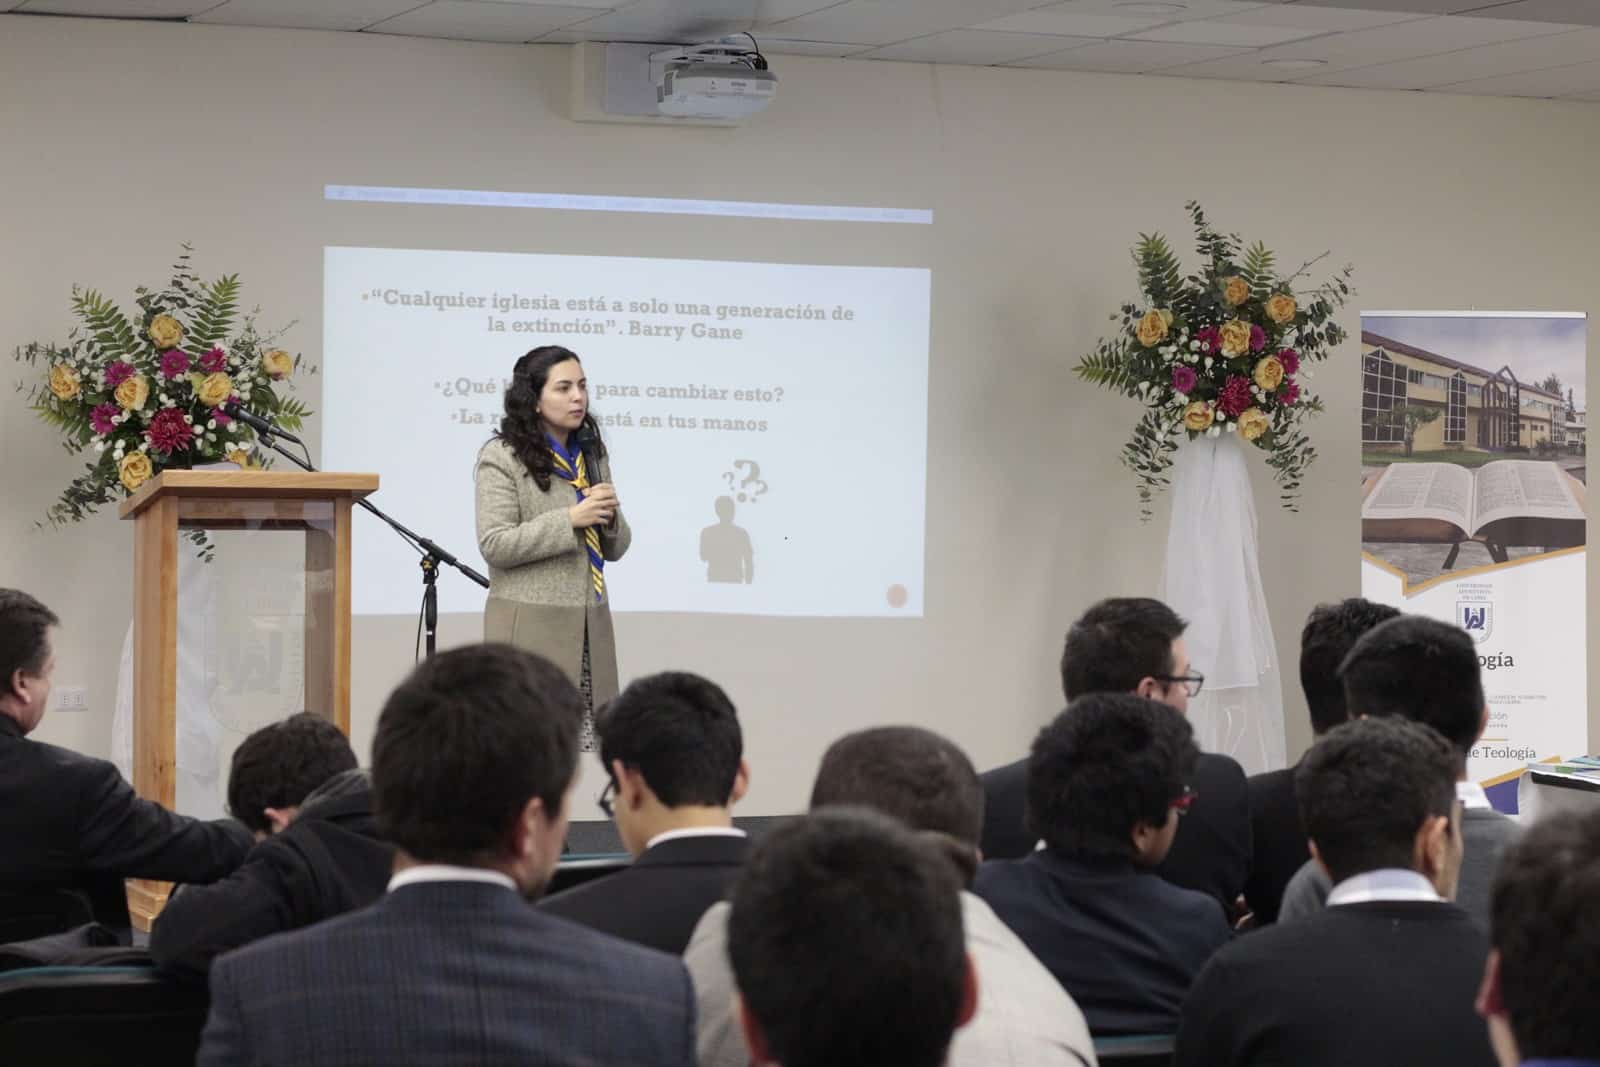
x,y
729,475
754,476
779,391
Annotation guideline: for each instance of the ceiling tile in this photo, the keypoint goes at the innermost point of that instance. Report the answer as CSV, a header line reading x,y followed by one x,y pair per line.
x,y
675,20
1067,20
973,47
778,46
1318,19
1581,12
306,14
1126,57
1486,61
478,20
1365,48
127,9
1424,7
883,22
1557,81
1225,32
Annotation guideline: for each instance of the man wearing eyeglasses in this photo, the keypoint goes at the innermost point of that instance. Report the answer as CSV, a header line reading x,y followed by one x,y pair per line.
x,y
674,759
1135,645
1107,786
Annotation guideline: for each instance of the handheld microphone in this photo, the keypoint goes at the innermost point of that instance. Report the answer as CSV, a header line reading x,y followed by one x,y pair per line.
x,y
260,425
589,445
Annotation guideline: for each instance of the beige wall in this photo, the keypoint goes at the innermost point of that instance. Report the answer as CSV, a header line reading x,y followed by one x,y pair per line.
x,y
120,140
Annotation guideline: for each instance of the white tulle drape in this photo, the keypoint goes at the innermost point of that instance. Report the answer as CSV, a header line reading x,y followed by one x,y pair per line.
x,y
1213,579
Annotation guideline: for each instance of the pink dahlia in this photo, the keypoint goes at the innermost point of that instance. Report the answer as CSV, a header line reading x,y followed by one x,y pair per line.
x,y
168,432
100,418
214,361
174,363
1289,393
1258,338
119,372
1235,397
1210,340
1183,379
1290,360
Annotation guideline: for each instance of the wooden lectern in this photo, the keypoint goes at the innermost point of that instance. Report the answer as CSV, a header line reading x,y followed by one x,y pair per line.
x,y
318,504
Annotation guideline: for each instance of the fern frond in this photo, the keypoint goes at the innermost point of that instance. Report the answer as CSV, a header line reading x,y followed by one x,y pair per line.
x,y
1221,249
1110,365
111,335
214,315
1257,270
1160,274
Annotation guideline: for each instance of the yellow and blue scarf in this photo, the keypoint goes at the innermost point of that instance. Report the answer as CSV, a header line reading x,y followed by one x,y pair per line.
x,y
572,467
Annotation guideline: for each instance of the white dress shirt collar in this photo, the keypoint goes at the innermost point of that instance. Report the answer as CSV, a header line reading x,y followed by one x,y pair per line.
x,y
443,872
1472,797
1391,883
695,831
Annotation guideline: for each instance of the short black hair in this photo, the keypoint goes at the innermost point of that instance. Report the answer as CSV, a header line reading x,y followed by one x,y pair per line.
x,y
1367,788
1118,643
280,764
847,943
24,635
1106,764
464,743
1543,921
1421,669
682,733
913,774
1331,631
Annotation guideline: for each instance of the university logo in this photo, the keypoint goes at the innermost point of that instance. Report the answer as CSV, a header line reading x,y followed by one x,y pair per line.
x,y
1477,618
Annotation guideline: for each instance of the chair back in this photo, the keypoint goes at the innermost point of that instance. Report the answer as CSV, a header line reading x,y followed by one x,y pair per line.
x,y
1136,1050
29,913
99,1017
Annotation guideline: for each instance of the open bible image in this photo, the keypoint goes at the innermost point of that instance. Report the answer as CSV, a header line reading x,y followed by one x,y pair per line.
x,y
1512,508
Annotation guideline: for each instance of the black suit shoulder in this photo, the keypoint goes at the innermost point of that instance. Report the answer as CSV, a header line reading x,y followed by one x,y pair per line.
x,y
661,897
1278,842
1005,834
1211,853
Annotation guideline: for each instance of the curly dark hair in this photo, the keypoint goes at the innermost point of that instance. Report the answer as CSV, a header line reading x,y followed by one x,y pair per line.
x,y
521,427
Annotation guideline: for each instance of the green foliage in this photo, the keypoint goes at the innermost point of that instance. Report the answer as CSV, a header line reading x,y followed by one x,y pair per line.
x,y
1148,454
1257,271
111,336
1108,366
214,315
1160,274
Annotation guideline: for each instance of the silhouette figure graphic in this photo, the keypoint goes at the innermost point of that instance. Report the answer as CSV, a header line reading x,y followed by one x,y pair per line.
x,y
725,548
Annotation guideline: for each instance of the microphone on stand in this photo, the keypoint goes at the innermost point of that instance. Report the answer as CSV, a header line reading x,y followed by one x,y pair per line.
x,y
256,422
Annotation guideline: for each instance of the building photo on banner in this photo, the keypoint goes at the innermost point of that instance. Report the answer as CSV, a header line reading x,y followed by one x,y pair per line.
x,y
1474,510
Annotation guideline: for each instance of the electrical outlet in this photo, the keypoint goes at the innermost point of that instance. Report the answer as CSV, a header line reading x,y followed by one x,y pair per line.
x,y
73,698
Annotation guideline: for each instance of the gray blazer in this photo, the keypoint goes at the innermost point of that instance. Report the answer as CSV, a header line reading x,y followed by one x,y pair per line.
x,y
448,972
540,597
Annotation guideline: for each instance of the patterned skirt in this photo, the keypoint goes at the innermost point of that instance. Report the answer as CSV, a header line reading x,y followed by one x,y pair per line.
x,y
586,735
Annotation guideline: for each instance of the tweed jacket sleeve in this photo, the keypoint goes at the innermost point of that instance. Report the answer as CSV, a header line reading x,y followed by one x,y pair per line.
x,y
506,536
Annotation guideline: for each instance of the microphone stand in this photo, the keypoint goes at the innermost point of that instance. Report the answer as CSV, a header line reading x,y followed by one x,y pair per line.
x,y
432,553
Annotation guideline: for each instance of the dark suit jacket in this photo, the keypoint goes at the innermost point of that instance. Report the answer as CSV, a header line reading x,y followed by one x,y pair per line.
x,y
660,898
328,861
1211,853
1381,983
448,972
1277,839
1125,944
70,820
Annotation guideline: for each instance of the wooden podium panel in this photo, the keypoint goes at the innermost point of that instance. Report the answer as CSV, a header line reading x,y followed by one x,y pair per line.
x,y
318,504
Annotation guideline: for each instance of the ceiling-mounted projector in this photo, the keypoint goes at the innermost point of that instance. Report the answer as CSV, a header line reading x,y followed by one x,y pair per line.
x,y
720,80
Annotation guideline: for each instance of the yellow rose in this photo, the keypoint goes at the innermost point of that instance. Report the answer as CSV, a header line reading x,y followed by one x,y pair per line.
x,y
278,364
1152,329
1253,423
240,457
64,382
1197,416
1235,291
133,393
215,389
135,470
166,331
1235,337
1269,373
1166,316
1281,309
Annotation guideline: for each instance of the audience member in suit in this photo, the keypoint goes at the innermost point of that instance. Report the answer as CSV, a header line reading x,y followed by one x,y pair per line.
x,y
1539,982
1425,670
1135,645
1387,972
1107,785
295,783
472,766
674,753
847,947
1024,1018
1278,840
67,820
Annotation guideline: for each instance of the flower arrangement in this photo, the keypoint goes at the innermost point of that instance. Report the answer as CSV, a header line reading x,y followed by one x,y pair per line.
x,y
1227,350
144,394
